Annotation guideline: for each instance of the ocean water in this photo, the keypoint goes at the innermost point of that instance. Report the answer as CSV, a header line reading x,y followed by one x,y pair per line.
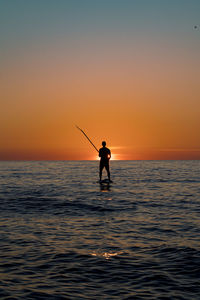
x,y
64,236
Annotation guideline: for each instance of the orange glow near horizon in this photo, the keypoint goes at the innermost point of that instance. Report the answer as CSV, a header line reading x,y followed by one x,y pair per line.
x,y
113,157
139,91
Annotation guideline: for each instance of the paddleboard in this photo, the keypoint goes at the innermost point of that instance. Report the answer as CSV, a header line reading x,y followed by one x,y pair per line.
x,y
105,181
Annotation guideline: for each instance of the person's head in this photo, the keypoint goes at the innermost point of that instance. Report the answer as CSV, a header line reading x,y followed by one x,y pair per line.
x,y
103,143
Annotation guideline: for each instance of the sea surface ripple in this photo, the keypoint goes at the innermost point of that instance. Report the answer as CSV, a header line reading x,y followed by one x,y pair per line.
x,y
64,236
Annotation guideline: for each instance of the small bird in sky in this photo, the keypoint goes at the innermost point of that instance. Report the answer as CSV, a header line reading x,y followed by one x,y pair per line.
x,y
196,26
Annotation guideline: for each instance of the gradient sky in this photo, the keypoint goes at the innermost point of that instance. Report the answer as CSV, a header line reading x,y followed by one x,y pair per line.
x,y
127,72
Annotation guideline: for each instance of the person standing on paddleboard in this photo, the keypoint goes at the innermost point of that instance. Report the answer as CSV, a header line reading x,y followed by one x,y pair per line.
x,y
105,155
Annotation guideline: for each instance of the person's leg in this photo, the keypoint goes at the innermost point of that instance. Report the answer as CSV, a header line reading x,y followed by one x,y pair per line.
x,y
100,170
108,170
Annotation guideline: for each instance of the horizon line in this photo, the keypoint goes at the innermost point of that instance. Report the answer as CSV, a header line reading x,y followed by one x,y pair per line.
x,y
7,160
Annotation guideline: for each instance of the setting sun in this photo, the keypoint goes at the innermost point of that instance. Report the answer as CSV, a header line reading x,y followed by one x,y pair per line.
x,y
113,157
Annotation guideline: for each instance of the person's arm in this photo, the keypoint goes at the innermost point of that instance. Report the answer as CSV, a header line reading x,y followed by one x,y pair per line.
x,y
99,152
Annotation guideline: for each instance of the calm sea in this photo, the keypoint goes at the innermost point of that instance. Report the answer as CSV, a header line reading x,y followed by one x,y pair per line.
x,y
63,236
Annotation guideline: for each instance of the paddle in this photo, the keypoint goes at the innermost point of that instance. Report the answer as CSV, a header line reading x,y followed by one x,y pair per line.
x,y
87,138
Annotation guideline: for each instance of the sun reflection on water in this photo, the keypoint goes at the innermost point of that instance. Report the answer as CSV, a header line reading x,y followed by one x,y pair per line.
x,y
106,255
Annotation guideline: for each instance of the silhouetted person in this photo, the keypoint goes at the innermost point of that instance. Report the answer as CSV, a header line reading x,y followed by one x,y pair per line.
x,y
105,155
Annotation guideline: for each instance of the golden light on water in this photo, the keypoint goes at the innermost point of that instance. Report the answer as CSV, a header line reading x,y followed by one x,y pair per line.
x,y
106,255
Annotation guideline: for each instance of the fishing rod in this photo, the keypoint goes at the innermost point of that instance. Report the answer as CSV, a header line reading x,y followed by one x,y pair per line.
x,y
87,138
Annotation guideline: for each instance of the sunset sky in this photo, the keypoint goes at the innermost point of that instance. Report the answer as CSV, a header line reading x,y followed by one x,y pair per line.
x,y
127,72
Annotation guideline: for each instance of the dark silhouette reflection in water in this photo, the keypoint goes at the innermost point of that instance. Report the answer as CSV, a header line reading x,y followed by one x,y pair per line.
x,y
105,187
